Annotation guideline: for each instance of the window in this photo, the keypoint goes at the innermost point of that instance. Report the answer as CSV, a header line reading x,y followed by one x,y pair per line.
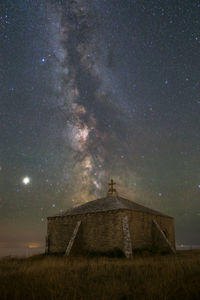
x,y
165,233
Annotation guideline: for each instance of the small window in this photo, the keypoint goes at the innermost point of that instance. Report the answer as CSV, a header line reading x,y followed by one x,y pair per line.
x,y
165,233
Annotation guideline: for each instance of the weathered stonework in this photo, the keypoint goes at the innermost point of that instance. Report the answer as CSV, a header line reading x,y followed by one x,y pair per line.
x,y
99,232
106,230
127,237
143,235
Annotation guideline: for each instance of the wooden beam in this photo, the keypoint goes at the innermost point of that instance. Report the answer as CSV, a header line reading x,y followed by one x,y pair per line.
x,y
163,236
71,242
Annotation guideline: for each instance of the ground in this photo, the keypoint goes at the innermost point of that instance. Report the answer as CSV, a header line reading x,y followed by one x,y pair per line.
x,y
100,278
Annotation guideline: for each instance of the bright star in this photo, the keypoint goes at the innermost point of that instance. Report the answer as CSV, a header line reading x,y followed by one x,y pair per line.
x,y
26,180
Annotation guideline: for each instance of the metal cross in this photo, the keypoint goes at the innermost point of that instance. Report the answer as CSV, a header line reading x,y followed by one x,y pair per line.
x,y
111,189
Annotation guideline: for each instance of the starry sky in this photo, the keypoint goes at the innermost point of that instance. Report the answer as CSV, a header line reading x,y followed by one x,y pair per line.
x,y
92,90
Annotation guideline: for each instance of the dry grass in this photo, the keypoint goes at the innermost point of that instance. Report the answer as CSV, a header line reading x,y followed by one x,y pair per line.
x,y
144,277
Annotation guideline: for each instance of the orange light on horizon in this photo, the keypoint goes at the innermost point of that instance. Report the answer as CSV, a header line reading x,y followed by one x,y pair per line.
x,y
34,245
21,245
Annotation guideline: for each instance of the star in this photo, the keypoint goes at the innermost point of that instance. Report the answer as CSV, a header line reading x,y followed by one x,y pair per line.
x,y
26,180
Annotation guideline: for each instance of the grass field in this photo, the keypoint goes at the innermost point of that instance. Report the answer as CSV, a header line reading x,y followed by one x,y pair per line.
x,y
143,277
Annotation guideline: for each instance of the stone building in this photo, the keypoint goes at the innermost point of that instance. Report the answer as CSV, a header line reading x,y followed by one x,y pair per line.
x,y
110,224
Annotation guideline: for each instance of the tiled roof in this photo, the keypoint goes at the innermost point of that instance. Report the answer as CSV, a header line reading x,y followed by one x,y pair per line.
x,y
109,203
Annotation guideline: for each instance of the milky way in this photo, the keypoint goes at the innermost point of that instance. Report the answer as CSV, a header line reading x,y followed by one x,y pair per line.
x,y
93,90
86,100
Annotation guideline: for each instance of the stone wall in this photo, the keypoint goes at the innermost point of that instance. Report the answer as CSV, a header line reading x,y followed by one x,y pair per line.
x,y
167,225
59,232
101,232
141,229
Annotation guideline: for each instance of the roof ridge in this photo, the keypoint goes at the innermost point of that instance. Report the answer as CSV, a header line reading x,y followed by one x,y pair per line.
x,y
109,203
145,207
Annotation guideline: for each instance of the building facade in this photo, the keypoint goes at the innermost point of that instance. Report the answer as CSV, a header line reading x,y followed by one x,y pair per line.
x,y
110,224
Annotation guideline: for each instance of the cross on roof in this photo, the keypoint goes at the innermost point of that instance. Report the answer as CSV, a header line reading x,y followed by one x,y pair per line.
x,y
111,189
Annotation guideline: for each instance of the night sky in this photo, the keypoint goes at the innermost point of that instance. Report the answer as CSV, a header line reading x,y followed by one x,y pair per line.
x,y
92,90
